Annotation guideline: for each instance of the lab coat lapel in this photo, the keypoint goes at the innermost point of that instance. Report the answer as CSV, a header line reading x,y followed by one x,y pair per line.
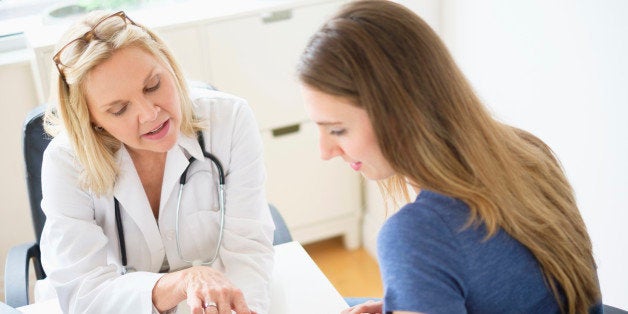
x,y
130,193
176,162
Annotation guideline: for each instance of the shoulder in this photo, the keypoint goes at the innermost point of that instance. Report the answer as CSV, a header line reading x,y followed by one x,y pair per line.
x,y
62,191
230,124
430,215
226,114
211,102
60,153
420,256
428,225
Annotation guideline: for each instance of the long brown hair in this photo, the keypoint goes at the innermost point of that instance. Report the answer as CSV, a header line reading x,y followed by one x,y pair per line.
x,y
388,61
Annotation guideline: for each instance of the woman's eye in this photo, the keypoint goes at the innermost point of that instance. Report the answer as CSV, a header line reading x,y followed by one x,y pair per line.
x,y
338,132
120,111
153,88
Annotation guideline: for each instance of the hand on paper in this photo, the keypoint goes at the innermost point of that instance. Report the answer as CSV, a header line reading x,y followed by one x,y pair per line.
x,y
201,287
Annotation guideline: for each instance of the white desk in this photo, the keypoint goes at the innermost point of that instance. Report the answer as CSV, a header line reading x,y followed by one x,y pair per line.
x,y
298,286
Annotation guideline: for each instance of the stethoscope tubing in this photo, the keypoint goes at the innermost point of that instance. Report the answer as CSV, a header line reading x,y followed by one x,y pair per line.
x,y
221,204
121,241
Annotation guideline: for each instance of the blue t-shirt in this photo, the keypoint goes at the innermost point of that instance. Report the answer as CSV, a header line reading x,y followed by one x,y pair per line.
x,y
431,264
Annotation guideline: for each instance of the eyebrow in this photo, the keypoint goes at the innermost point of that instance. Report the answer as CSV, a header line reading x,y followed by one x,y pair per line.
x,y
325,123
150,75
146,80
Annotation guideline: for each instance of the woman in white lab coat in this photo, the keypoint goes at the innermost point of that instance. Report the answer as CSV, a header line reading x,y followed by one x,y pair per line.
x,y
125,129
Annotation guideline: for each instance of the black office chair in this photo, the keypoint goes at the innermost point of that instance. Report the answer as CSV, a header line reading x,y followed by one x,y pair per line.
x,y
16,274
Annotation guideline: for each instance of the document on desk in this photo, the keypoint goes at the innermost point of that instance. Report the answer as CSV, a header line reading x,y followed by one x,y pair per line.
x,y
299,286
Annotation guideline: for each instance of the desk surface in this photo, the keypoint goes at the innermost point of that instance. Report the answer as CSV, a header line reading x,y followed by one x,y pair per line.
x,y
298,286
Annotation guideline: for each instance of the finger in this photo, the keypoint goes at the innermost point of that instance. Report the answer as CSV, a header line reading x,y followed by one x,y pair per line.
x,y
368,307
195,304
213,302
223,305
358,310
347,310
238,303
211,308
224,308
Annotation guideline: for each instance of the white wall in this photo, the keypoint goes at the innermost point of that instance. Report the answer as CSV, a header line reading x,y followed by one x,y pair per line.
x,y
559,69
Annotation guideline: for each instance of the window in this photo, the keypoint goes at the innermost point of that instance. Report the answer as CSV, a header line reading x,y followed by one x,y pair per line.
x,y
17,15
14,18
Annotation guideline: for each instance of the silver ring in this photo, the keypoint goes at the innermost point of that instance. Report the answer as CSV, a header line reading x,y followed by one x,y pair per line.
x,y
208,304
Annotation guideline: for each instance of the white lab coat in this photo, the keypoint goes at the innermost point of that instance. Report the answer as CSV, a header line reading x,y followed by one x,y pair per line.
x,y
79,243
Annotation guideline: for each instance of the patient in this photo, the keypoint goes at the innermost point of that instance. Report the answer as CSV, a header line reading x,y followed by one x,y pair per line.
x,y
495,227
122,235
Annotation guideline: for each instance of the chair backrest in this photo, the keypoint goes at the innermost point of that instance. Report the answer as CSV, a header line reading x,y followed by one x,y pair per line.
x,y
35,140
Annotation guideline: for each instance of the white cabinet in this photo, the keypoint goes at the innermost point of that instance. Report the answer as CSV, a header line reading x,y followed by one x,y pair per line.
x,y
255,57
187,44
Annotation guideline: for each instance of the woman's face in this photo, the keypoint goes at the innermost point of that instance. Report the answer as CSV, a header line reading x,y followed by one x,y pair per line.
x,y
345,131
133,97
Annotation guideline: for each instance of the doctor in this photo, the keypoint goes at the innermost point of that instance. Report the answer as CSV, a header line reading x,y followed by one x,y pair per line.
x,y
123,234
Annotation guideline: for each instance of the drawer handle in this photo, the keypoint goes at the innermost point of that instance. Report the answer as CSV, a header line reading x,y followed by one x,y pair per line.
x,y
276,16
285,130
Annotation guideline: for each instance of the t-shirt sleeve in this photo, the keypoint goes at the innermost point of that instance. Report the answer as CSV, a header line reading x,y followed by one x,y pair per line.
x,y
421,263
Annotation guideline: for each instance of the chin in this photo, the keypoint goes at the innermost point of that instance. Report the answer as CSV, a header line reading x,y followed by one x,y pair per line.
x,y
164,145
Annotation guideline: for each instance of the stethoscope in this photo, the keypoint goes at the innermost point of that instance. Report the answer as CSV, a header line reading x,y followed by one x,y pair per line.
x,y
182,181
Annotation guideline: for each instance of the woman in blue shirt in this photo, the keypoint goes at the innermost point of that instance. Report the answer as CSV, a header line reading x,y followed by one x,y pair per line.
x,y
495,227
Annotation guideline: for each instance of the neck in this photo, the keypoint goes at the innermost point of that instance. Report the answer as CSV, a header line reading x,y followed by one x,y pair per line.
x,y
150,169
415,187
143,156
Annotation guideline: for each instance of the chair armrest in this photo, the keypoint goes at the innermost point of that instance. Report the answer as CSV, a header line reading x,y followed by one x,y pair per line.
x,y
16,273
282,234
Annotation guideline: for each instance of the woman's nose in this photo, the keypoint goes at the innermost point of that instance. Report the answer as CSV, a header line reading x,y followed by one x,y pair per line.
x,y
329,148
148,112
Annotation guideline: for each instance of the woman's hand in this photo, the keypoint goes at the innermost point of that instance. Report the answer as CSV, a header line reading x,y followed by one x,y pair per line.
x,y
199,286
369,307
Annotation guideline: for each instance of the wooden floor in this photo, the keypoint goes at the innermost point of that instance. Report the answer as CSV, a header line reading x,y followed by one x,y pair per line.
x,y
353,273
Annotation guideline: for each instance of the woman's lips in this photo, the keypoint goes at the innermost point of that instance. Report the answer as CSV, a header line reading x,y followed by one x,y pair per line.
x,y
159,132
356,165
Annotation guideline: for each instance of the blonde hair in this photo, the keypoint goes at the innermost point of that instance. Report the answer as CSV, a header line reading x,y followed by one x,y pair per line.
x,y
96,150
435,133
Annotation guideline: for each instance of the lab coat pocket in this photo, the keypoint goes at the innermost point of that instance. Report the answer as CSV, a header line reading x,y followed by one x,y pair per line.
x,y
203,230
